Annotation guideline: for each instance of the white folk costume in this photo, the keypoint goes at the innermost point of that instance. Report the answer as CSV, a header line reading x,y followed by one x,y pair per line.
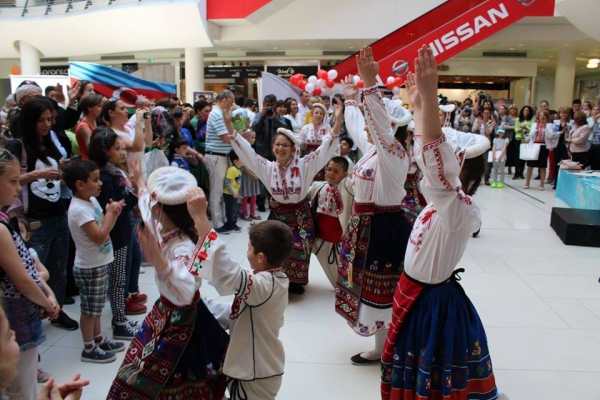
x,y
288,186
255,358
414,201
437,345
332,207
311,136
180,349
373,248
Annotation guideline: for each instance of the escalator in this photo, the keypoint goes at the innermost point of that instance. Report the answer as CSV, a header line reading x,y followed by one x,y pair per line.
x,y
448,30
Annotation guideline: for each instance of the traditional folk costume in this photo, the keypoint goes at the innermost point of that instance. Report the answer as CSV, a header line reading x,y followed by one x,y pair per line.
x,y
179,351
414,202
288,186
255,358
373,248
437,347
332,207
311,136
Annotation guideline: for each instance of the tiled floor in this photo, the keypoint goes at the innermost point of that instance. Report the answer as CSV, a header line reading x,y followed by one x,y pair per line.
x,y
539,301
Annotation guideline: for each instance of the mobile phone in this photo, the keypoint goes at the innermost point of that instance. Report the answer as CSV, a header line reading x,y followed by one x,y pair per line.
x,y
146,115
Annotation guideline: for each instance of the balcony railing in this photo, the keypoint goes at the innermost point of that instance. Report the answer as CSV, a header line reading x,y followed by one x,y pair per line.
x,y
22,8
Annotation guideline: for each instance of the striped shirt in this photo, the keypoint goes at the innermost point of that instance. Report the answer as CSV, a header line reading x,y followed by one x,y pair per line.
x,y
215,127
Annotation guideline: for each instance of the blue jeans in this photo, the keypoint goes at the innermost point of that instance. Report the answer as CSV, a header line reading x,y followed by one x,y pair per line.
x,y
134,260
231,210
51,242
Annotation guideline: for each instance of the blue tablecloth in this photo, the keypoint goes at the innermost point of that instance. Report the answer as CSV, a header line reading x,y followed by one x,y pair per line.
x,y
579,191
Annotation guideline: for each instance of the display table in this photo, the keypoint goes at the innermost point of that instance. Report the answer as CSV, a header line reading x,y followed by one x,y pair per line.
x,y
579,189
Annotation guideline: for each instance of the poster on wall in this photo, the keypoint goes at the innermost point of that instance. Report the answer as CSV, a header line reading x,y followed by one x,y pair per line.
x,y
207,95
589,90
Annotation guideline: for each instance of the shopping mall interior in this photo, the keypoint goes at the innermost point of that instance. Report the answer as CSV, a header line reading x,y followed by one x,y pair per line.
x,y
538,298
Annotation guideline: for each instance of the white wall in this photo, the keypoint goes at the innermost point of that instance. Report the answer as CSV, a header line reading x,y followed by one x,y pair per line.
x,y
544,90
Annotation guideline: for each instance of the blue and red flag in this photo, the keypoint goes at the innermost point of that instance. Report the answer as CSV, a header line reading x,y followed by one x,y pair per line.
x,y
112,82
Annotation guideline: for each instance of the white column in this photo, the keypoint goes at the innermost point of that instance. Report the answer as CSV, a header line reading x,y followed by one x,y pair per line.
x,y
30,59
194,72
177,66
564,80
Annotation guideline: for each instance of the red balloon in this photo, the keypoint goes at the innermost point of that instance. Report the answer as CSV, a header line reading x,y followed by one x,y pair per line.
x,y
317,91
329,83
389,85
360,84
322,74
302,84
294,80
398,81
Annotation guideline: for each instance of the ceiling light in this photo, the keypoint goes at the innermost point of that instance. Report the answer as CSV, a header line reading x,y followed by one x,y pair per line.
x,y
594,61
567,44
592,66
512,48
521,45
274,48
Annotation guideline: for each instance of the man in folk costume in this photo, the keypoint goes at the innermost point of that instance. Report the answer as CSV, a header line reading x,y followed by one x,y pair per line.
x,y
287,179
436,346
373,248
331,202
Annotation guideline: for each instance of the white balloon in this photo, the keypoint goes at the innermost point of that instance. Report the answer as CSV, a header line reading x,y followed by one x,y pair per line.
x,y
321,82
396,90
309,87
390,79
356,78
312,79
332,74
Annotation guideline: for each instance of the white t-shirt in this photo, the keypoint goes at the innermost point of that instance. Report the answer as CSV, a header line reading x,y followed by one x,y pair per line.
x,y
88,254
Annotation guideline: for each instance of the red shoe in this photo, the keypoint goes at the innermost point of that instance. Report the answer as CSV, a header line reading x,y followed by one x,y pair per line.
x,y
134,308
139,298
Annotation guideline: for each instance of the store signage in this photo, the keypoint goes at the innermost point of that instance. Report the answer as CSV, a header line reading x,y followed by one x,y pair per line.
x,y
287,71
455,26
62,70
232,72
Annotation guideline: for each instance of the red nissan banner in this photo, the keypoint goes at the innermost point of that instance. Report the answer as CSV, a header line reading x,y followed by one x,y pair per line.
x,y
448,30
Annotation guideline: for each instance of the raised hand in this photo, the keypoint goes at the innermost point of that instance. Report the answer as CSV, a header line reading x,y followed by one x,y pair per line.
x,y
337,111
196,202
73,92
426,73
367,67
413,93
349,89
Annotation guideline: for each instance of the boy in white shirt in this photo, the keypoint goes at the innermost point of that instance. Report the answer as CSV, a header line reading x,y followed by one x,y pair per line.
x,y
255,357
90,231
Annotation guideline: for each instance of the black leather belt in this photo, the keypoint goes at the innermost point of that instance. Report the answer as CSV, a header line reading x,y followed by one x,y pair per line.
x,y
215,153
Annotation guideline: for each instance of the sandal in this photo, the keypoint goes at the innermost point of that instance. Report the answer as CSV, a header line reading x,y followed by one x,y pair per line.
x,y
42,376
526,187
246,218
256,217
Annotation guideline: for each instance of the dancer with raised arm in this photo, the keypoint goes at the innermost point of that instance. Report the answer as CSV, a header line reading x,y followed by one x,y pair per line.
x,y
436,346
287,180
375,240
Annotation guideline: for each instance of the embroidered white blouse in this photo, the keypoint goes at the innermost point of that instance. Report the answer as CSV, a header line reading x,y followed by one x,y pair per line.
x,y
312,135
256,315
296,123
380,174
442,230
289,184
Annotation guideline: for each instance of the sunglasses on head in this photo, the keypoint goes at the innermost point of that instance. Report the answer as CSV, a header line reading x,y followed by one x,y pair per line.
x,y
112,99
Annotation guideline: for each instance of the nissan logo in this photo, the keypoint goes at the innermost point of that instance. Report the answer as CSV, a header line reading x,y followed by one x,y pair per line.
x,y
400,68
527,3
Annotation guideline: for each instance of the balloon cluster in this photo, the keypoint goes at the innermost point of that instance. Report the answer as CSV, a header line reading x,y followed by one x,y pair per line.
x,y
394,83
315,84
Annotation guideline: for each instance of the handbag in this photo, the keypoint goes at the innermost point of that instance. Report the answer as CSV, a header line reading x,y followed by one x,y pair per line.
x,y
570,165
529,151
490,158
21,204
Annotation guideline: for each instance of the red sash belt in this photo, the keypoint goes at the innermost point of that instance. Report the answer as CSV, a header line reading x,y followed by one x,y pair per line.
x,y
329,228
372,208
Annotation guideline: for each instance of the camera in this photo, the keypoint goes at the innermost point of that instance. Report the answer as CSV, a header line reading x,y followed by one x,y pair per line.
x,y
269,112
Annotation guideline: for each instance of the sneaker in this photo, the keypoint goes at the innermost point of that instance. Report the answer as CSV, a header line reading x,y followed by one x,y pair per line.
x,y
236,228
142,270
499,185
494,185
124,331
112,346
139,298
133,324
223,230
42,376
132,307
97,355
63,321
256,217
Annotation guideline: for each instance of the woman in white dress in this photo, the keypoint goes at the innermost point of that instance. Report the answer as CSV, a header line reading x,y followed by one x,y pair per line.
x,y
287,180
372,254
